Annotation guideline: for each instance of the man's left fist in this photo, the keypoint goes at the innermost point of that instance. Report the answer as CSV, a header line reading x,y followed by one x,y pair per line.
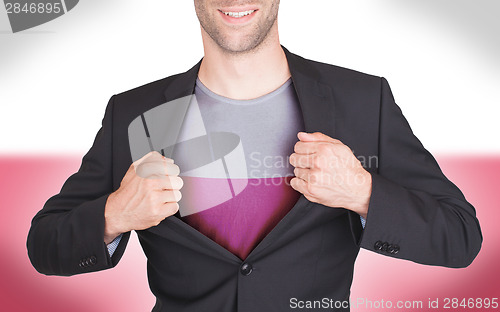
x,y
327,172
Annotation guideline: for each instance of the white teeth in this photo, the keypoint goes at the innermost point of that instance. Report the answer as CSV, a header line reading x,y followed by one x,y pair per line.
x,y
239,14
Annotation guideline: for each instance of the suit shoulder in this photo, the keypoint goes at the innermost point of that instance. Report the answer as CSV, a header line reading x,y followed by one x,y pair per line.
x,y
130,104
337,74
151,90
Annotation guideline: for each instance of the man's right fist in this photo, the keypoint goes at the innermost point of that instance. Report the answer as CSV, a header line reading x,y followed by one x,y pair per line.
x,y
148,193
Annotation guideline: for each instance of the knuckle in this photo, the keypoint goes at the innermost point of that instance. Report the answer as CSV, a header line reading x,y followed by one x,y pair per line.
x,y
327,149
179,183
158,220
155,154
311,198
177,195
345,149
143,166
144,170
172,208
173,169
296,147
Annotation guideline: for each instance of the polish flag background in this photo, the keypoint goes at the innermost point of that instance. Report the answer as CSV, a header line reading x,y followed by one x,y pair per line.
x,y
440,58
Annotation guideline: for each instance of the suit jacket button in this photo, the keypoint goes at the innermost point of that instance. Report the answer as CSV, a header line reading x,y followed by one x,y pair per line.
x,y
246,269
396,249
390,249
384,246
378,245
83,263
93,260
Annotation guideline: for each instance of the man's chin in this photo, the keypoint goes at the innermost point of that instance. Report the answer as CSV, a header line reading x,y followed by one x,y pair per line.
x,y
239,50
239,46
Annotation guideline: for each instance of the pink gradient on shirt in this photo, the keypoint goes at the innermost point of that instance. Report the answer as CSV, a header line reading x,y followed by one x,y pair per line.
x,y
27,182
241,222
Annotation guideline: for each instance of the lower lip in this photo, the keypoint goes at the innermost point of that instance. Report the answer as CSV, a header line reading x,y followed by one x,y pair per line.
x,y
237,20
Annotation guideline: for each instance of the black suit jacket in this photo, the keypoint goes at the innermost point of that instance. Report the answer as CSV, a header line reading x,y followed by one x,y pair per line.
x,y
415,212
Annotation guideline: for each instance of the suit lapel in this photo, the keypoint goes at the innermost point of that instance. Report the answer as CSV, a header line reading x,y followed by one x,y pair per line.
x,y
318,111
315,98
183,84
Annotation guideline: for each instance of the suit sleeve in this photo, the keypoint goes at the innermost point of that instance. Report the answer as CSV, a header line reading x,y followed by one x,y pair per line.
x,y
415,212
67,236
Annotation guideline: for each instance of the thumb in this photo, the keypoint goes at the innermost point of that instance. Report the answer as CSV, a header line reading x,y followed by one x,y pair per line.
x,y
146,156
152,156
133,167
316,137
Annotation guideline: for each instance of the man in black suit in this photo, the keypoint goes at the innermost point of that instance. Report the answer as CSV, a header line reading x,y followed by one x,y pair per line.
x,y
412,211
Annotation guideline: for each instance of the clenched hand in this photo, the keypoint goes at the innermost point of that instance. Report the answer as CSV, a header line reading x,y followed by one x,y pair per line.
x,y
327,172
148,193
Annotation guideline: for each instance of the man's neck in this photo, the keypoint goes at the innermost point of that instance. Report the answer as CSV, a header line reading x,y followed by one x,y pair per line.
x,y
244,76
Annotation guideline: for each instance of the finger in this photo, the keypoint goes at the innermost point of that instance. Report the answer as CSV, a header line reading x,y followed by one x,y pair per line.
x,y
152,154
170,196
172,183
302,147
308,175
317,137
310,147
302,161
133,167
301,186
132,170
172,169
171,208
170,160
301,173
157,169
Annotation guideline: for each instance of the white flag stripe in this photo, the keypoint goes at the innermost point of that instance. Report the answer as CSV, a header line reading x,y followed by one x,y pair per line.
x,y
444,71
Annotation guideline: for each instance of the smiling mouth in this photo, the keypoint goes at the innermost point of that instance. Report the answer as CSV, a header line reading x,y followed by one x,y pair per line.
x,y
238,14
